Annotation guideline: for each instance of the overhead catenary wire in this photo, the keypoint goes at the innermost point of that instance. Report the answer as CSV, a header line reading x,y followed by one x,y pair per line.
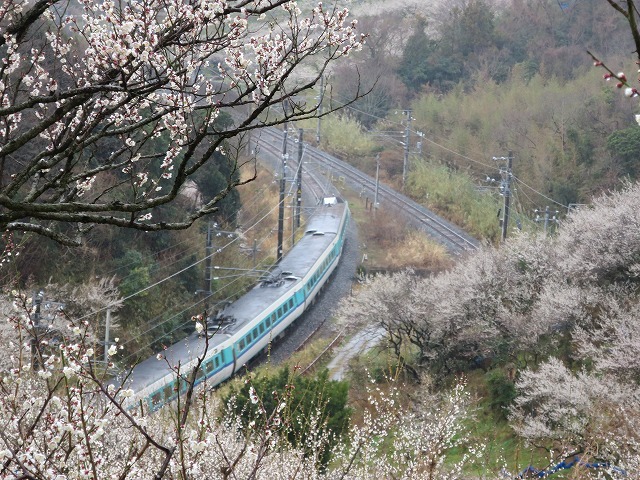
x,y
248,273
236,278
153,254
443,147
415,132
256,197
520,208
181,312
168,277
156,325
540,193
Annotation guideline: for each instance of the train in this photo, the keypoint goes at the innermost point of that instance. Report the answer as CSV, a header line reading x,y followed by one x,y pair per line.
x,y
246,327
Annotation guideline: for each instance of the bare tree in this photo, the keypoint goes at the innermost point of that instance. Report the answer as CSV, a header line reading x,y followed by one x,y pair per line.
x,y
108,108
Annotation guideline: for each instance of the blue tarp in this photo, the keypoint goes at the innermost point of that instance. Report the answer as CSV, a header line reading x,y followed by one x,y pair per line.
x,y
532,472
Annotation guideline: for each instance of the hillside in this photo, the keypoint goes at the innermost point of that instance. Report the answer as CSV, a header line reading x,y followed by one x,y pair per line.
x,y
482,80
517,359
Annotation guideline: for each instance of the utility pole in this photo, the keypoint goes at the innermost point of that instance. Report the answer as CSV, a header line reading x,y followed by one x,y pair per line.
x,y
407,133
37,302
299,178
107,326
206,287
547,218
254,252
506,185
282,188
320,96
375,195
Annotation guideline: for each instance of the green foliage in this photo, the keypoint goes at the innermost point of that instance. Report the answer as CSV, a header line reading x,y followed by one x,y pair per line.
x,y
139,273
455,195
345,136
624,146
424,63
502,391
470,30
443,63
305,397
559,149
212,178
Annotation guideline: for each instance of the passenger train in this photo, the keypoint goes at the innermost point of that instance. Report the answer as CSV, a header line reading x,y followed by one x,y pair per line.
x,y
245,328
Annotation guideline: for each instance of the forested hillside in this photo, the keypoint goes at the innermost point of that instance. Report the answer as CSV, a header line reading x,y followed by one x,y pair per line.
x,y
483,79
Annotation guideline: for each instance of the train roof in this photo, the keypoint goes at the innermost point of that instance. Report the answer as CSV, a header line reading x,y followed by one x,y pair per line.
x,y
320,231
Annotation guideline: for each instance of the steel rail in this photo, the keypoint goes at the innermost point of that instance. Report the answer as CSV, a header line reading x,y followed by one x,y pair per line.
x,y
452,237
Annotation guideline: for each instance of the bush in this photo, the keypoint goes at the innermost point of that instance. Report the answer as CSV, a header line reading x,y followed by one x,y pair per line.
x,y
346,137
454,195
502,392
307,399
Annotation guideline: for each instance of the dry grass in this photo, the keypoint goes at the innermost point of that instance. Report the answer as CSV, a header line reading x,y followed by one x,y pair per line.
x,y
418,251
390,244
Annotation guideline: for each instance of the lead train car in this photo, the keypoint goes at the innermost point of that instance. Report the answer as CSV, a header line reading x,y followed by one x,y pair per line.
x,y
247,326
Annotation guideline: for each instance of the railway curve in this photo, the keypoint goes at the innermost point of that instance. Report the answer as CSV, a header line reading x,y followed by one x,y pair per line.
x,y
268,143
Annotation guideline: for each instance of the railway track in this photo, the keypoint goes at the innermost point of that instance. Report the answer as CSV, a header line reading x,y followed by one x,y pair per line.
x,y
315,185
268,146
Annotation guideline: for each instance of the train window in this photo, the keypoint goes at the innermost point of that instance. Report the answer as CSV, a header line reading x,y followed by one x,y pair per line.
x,y
200,374
273,318
261,326
268,322
279,312
291,303
156,399
167,391
208,366
241,344
216,361
247,339
285,308
255,333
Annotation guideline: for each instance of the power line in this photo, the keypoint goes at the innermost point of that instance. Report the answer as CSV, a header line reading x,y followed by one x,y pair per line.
x,y
182,324
237,278
401,125
257,196
159,282
439,145
433,142
540,193
225,285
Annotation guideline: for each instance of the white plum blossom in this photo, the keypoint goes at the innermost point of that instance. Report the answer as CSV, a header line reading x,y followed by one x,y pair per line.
x,y
64,426
253,396
108,91
128,393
